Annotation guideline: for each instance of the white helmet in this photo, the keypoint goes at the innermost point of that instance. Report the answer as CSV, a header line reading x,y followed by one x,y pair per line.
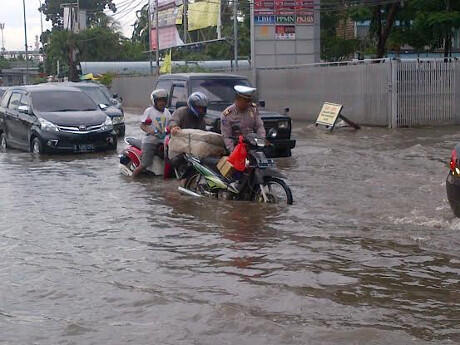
x,y
157,94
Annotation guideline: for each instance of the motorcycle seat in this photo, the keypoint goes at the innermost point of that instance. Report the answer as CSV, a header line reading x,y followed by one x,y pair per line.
x,y
134,142
210,162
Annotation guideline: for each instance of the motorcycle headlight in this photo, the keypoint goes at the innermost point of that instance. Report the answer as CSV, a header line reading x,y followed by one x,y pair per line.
x,y
48,126
118,119
283,124
107,125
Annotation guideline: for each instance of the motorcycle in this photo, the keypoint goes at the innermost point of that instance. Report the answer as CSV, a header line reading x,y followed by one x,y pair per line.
x,y
260,181
130,159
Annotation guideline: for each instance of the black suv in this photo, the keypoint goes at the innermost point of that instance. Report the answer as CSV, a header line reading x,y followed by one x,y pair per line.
x,y
47,118
220,92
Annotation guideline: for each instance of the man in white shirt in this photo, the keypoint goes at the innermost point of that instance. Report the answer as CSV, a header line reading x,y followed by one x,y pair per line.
x,y
154,124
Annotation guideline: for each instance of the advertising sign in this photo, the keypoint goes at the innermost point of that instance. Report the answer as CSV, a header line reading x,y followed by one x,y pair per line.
x,y
286,20
263,7
264,20
285,32
285,7
305,19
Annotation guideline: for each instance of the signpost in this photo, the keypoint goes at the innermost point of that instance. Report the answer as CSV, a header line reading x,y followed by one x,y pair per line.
x,y
329,115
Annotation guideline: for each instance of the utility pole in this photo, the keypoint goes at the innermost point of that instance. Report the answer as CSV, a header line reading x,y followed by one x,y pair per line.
x,y
235,33
26,79
219,22
2,27
41,18
157,31
253,53
150,37
185,23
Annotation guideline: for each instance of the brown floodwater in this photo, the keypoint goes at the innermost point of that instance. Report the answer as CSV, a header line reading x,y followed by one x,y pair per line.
x,y
368,254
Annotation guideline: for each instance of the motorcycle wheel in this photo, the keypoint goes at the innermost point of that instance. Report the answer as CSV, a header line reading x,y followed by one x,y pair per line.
x,y
278,192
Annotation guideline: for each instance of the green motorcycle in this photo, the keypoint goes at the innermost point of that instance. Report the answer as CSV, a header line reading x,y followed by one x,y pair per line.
x,y
260,182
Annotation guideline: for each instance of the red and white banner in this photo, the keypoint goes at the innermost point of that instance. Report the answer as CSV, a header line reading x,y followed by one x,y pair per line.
x,y
169,38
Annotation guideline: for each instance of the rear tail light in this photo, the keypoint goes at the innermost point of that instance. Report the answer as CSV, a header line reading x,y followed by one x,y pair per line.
x,y
453,162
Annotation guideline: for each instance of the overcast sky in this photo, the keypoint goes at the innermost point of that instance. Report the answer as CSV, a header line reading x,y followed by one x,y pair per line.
x,y
11,14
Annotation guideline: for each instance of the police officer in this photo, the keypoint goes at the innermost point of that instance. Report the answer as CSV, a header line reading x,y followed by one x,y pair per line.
x,y
242,117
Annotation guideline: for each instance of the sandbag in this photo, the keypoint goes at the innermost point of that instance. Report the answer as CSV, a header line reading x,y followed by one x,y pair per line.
x,y
199,143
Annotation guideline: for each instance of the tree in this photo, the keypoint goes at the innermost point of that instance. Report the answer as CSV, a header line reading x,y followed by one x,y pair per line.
x,y
436,20
54,13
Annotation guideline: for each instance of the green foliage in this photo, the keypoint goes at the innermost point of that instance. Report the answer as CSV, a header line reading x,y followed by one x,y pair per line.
x,y
54,13
94,44
4,63
107,79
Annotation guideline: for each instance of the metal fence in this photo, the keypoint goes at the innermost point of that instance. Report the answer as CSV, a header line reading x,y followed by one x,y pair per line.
x,y
424,93
385,92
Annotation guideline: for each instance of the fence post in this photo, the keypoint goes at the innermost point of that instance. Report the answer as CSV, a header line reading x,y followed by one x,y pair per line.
x,y
394,93
391,95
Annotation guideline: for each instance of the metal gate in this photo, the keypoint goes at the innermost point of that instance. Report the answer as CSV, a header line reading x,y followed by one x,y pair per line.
x,y
423,93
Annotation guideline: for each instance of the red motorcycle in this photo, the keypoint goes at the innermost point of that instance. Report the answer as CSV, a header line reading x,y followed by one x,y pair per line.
x,y
130,159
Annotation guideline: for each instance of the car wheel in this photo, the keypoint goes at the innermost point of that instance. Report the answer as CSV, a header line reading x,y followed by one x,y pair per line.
x,y
36,146
3,143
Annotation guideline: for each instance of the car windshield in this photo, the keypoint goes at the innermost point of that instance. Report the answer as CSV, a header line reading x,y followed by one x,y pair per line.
x,y
59,100
218,90
2,92
96,95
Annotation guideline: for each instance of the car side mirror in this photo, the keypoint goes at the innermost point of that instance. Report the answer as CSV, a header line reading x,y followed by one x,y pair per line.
x,y
180,104
286,110
115,95
262,103
24,109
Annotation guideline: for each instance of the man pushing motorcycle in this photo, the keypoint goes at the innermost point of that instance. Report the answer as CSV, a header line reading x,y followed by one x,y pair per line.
x,y
242,117
154,124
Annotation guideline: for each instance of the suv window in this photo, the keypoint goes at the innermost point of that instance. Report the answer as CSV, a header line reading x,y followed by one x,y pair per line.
x,y
218,90
25,100
165,84
15,101
178,94
5,99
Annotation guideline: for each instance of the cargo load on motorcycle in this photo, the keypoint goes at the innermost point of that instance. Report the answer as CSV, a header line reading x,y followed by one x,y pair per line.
x,y
198,143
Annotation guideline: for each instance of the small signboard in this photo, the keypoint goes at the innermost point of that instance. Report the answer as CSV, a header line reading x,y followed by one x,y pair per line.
x,y
288,20
264,20
329,115
285,32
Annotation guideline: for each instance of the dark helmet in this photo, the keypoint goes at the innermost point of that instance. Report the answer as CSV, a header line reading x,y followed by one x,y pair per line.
x,y
197,99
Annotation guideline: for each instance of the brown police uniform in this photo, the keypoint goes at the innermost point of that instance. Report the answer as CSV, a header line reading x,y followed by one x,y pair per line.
x,y
248,121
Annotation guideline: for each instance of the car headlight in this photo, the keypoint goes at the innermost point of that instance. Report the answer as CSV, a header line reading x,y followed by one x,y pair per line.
x,y
283,124
107,125
118,119
48,126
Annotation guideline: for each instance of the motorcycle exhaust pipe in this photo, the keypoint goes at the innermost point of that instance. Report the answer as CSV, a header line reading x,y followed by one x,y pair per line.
x,y
188,192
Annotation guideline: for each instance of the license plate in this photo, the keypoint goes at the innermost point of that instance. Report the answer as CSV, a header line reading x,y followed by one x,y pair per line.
x,y
84,148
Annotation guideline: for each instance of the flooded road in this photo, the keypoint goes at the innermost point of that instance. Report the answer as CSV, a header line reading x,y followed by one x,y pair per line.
x,y
368,254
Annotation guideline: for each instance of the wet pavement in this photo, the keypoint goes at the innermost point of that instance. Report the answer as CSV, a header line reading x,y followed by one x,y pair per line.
x,y
368,254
